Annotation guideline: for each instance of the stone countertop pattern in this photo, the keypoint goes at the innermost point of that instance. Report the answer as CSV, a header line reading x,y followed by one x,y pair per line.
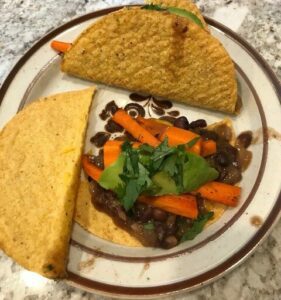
x,y
23,22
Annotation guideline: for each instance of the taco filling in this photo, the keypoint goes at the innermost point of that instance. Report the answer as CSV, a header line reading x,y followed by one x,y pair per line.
x,y
162,184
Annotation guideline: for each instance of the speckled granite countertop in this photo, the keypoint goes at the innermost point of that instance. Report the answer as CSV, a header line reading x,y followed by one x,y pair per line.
x,y
23,22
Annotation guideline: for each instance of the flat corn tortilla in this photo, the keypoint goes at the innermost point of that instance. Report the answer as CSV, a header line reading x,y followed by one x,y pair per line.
x,y
99,223
40,152
156,53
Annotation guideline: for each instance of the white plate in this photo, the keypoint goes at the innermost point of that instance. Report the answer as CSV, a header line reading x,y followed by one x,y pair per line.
x,y
100,266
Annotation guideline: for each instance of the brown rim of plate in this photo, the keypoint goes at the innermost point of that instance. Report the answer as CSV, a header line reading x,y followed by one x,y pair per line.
x,y
231,262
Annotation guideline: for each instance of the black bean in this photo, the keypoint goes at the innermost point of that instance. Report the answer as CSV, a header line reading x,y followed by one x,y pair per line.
x,y
209,135
170,242
244,139
222,159
171,224
200,123
224,132
160,231
181,122
97,160
231,175
171,220
159,214
231,151
143,212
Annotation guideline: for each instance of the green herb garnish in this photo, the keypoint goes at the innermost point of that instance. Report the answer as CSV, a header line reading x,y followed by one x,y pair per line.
x,y
176,11
197,226
149,226
162,170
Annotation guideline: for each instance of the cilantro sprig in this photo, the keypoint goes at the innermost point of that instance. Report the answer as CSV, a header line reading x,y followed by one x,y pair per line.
x,y
197,226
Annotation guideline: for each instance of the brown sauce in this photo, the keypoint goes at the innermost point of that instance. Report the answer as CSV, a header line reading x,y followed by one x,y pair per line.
x,y
271,133
256,221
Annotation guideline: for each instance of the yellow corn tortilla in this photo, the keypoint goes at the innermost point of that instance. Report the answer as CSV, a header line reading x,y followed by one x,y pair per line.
x,y
101,225
97,222
40,152
156,53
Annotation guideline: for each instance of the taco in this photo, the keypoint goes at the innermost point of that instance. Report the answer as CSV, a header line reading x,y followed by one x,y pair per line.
x,y
163,187
40,152
159,50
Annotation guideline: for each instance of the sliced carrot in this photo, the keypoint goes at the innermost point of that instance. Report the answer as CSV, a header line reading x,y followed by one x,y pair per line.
x,y
220,192
111,151
90,169
183,205
177,136
208,147
134,128
60,46
153,126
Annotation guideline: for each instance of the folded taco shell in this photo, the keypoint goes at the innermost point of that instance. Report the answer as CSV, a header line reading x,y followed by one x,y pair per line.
x,y
40,151
157,53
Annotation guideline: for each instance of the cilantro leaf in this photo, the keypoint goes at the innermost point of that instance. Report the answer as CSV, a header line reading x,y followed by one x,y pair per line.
x,y
197,226
153,7
196,172
191,143
160,153
134,187
149,225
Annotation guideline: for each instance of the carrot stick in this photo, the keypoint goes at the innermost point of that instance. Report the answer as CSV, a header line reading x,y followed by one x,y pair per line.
x,y
153,126
133,127
177,136
208,147
220,192
111,151
183,205
90,169
60,46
